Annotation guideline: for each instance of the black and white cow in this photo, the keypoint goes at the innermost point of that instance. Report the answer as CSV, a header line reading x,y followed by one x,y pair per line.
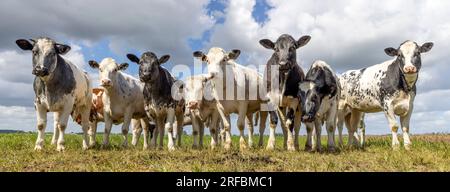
x,y
123,99
319,96
389,87
282,68
160,105
60,87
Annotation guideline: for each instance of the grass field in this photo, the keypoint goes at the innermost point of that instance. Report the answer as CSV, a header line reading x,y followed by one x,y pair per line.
x,y
429,153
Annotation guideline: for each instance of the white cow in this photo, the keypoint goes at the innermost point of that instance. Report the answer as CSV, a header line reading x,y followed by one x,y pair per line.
x,y
227,76
123,98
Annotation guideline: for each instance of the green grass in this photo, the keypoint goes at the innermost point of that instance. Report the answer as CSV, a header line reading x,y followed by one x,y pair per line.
x,y
429,153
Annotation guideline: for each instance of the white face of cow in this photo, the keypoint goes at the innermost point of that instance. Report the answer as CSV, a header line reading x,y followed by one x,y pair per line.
x,y
216,58
408,56
193,91
45,54
108,69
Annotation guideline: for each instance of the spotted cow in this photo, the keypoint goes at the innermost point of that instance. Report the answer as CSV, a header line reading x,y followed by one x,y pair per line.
x,y
60,87
389,87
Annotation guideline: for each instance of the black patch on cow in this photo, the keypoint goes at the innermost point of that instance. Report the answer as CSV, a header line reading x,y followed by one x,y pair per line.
x,y
394,81
61,82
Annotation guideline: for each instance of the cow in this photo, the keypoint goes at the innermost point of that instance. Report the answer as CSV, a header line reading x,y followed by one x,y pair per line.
x,y
123,99
285,74
389,87
96,115
343,116
160,105
319,95
223,71
201,109
60,87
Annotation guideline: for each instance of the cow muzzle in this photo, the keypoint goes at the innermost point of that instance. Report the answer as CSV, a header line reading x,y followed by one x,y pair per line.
x,y
41,72
410,69
106,83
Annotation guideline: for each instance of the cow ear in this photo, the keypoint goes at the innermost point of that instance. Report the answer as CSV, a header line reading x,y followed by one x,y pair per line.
x,y
62,49
426,47
391,51
303,41
93,64
200,55
122,67
234,54
24,44
133,58
163,59
267,43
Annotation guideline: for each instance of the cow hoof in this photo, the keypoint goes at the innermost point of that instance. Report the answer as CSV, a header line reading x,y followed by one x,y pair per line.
x,y
38,148
395,147
171,148
53,142
308,149
270,146
60,148
408,147
290,148
332,149
227,146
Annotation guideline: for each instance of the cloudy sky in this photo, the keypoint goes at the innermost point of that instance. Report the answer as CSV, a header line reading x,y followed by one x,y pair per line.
x,y
348,34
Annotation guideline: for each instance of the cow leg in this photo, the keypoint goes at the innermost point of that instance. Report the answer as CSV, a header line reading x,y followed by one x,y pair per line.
x,y
250,130
309,136
241,125
179,123
297,124
55,132
353,125
284,128
262,127
85,126
340,125
273,126
108,126
362,133
126,125
62,118
41,114
195,130
226,125
92,133
404,122
144,122
137,130
290,125
318,131
213,129
201,134
169,127
390,116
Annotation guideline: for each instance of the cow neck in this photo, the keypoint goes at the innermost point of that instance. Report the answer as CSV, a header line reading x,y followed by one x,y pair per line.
x,y
402,83
161,88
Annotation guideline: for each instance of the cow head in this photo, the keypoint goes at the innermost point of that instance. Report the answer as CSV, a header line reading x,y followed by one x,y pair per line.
x,y
285,49
311,98
109,70
194,90
216,59
408,56
148,65
45,54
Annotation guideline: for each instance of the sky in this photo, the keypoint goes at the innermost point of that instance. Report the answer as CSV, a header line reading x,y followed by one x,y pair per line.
x,y
347,34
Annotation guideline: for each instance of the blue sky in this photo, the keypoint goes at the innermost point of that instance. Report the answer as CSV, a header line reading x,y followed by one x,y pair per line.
x,y
348,34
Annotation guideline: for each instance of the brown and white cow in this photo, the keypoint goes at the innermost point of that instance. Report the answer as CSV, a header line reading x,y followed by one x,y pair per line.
x,y
227,76
60,87
389,87
96,115
123,99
